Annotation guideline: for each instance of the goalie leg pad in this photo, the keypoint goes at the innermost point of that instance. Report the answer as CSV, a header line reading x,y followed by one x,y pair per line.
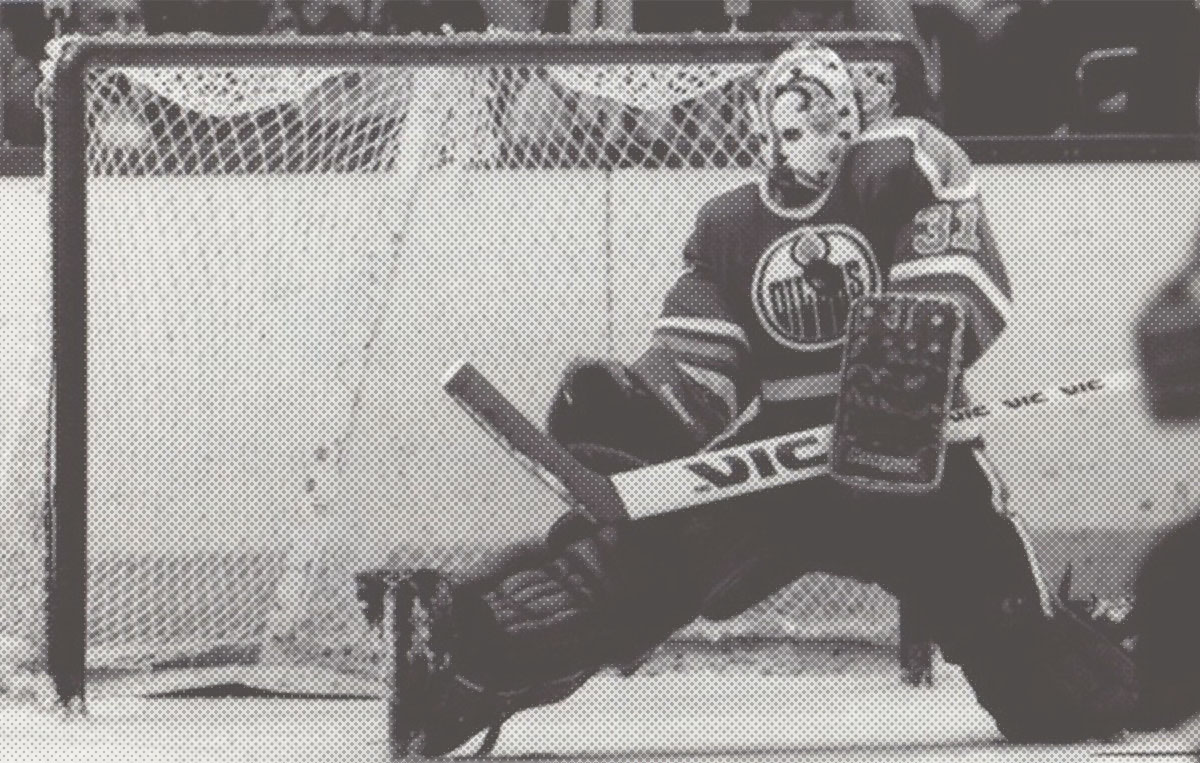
x,y
1044,675
529,633
1052,679
573,584
1166,625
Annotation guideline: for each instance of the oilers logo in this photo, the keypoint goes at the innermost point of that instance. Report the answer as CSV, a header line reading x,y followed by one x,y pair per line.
x,y
806,280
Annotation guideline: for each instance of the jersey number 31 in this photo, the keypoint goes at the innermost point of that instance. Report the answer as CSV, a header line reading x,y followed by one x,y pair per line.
x,y
947,226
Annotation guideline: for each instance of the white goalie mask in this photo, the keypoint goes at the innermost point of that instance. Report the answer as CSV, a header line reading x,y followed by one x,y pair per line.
x,y
811,110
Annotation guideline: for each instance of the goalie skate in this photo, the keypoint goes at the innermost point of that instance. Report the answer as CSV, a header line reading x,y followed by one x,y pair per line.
x,y
430,711
898,379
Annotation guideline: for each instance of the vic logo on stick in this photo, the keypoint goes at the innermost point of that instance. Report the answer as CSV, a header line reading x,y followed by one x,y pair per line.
x,y
729,469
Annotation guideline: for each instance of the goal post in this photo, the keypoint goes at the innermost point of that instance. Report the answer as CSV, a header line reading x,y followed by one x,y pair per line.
x,y
264,250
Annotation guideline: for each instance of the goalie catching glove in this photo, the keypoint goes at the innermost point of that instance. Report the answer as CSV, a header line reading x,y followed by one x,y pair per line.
x,y
650,411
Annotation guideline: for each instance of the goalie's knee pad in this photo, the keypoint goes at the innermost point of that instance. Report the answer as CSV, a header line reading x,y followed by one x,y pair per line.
x,y
1050,678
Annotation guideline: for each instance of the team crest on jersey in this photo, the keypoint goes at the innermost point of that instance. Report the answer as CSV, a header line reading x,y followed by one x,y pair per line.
x,y
806,280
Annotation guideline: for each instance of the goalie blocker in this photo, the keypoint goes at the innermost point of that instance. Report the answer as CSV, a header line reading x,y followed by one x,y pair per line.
x,y
900,372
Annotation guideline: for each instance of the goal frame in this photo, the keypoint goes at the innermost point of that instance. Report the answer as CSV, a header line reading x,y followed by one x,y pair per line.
x,y
64,97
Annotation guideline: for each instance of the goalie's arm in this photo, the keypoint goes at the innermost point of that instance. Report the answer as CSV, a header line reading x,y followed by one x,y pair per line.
x,y
947,247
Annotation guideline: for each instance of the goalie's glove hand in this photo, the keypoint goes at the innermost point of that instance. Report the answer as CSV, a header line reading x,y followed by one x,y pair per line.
x,y
1169,349
604,403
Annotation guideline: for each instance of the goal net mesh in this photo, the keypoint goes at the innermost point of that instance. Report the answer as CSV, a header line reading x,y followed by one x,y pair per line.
x,y
282,264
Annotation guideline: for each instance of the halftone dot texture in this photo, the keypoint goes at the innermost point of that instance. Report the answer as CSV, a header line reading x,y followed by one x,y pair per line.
x,y
284,261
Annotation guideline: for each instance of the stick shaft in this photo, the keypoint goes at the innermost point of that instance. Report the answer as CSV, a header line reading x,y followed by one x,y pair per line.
x,y
716,475
800,456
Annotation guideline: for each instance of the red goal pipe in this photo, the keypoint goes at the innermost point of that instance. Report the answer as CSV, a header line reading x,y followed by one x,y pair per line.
x,y
66,499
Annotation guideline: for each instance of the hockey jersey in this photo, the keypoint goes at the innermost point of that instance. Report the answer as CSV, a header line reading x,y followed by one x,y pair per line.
x,y
757,319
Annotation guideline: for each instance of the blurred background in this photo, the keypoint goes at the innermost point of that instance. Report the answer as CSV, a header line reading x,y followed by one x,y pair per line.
x,y
994,67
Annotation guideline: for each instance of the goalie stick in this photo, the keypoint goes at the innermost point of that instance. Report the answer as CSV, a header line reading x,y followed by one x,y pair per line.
x,y
716,475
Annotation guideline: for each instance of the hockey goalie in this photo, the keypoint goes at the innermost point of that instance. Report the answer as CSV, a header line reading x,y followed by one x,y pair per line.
x,y
749,344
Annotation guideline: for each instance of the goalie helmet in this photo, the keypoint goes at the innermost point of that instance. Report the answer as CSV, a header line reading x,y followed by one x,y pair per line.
x,y
812,111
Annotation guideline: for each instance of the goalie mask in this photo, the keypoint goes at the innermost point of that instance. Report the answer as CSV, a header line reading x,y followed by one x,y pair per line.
x,y
812,112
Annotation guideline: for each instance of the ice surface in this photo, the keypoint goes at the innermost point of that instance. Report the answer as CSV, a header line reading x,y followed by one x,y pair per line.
x,y
676,717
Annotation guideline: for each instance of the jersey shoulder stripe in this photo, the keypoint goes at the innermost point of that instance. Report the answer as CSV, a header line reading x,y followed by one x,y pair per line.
x,y
942,162
712,329
700,348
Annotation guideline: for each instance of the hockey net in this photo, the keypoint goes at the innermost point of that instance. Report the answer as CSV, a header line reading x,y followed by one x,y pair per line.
x,y
286,244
